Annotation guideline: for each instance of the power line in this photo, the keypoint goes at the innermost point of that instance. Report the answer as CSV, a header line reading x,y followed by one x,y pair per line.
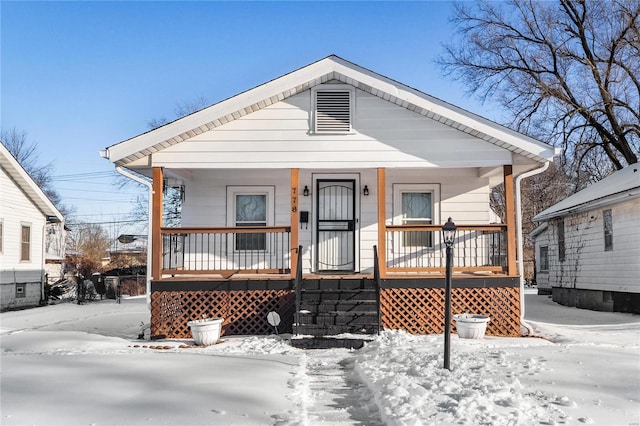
x,y
108,223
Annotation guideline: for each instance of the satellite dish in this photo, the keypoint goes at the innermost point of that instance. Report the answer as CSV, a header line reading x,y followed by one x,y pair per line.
x,y
274,320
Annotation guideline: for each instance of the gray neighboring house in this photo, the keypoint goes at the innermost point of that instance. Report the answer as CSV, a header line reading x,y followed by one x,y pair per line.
x,y
32,235
588,245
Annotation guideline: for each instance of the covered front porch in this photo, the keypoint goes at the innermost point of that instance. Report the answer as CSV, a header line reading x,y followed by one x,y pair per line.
x,y
199,271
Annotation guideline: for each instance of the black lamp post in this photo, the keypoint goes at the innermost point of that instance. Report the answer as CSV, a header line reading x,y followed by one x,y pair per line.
x,y
449,236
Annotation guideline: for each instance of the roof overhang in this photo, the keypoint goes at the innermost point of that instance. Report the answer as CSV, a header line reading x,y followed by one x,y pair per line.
x,y
134,152
23,181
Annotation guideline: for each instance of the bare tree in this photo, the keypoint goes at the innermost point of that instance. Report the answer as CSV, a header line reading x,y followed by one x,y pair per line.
x,y
88,243
566,72
173,198
26,153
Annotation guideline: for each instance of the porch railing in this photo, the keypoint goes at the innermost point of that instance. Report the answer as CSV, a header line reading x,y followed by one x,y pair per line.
x,y
226,250
419,248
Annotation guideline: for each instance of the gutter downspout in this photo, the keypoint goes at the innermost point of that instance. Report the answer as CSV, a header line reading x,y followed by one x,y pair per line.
x,y
519,178
148,184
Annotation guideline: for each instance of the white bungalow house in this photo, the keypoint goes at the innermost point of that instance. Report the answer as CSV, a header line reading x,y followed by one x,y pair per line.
x,y
31,232
321,195
588,245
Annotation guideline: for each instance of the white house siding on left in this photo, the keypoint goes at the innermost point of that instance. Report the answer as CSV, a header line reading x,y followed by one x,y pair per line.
x,y
587,265
16,210
463,195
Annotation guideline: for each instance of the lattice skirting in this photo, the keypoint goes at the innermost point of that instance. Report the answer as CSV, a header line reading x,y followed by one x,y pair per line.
x,y
421,310
416,310
244,312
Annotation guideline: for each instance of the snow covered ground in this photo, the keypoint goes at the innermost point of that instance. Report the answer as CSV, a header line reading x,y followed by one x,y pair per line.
x,y
83,365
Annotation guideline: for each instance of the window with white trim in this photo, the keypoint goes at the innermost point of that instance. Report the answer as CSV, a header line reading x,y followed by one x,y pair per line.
x,y
25,243
333,109
250,206
416,204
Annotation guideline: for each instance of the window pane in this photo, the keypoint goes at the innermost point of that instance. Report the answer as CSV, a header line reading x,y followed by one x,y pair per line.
x,y
416,210
608,230
561,246
544,258
416,205
26,243
251,241
251,208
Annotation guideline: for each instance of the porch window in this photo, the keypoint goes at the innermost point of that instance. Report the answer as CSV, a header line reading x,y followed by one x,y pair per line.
x,y
333,107
250,206
416,210
608,229
25,245
415,204
543,257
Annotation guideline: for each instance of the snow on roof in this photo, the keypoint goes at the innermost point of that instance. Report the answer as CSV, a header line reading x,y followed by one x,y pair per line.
x,y
617,187
319,72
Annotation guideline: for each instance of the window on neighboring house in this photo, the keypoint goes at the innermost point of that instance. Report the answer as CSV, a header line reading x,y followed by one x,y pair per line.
x,y
251,206
333,109
561,242
25,251
415,204
543,258
608,229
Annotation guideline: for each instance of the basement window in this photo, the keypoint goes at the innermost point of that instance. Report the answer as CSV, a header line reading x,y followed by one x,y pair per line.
x,y
333,110
21,290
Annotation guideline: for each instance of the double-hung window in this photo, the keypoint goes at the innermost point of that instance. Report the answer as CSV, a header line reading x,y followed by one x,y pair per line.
x,y
544,258
25,243
250,207
416,204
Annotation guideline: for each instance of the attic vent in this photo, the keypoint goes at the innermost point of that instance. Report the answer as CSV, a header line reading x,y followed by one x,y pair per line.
x,y
333,111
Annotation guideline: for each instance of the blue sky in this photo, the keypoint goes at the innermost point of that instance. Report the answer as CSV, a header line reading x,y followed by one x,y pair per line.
x,y
81,76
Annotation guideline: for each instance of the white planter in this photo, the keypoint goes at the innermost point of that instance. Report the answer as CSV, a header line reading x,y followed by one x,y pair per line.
x,y
471,326
206,331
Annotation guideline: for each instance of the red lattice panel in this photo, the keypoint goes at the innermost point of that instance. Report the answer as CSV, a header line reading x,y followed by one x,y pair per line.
x,y
421,310
245,312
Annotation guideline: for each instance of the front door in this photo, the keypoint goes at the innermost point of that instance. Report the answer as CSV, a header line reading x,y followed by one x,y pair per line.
x,y
335,224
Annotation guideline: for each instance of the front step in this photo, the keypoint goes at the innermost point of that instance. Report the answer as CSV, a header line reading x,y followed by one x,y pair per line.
x,y
337,306
327,343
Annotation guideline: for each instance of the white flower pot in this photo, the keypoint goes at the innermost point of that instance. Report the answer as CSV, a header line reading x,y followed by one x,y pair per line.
x,y
206,331
471,326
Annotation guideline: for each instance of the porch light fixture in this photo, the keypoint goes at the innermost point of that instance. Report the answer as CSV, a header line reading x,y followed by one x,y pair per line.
x,y
449,237
305,191
365,191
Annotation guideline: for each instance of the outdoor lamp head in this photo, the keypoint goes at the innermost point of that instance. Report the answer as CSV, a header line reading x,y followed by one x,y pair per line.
x,y
449,233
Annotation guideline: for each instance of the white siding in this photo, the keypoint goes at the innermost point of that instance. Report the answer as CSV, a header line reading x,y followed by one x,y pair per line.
x,y
279,136
16,210
587,264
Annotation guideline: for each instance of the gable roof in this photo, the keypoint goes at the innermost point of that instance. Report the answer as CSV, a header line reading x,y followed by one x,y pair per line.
x,y
322,71
619,186
22,179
